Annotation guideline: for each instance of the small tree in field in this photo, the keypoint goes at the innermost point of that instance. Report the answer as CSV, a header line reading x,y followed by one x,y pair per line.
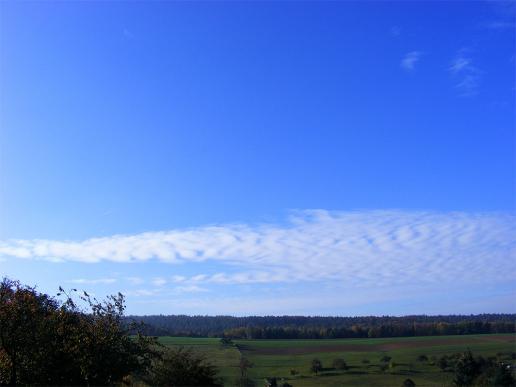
x,y
244,365
316,366
422,358
340,364
182,367
408,383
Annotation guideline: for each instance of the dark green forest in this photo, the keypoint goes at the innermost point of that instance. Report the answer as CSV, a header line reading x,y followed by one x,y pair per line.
x,y
305,327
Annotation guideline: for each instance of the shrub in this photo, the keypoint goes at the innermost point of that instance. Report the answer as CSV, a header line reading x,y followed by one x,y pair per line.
x,y
340,364
44,341
316,366
408,383
182,367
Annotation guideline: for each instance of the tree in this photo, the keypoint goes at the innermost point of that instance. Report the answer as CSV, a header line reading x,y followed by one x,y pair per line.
x,y
503,376
340,364
244,365
385,359
44,341
466,369
225,341
422,358
408,383
316,366
442,363
182,367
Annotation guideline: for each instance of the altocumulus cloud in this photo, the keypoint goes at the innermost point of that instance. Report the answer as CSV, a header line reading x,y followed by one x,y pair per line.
x,y
358,247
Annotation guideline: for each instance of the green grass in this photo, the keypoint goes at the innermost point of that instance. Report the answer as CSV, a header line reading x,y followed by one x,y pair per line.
x,y
277,357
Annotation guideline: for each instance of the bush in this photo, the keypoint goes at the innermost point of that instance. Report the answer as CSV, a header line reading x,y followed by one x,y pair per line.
x,y
408,383
44,341
340,364
182,367
316,366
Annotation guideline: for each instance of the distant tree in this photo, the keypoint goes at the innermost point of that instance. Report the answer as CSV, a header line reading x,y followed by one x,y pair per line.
x,y
408,383
422,358
294,372
316,366
392,364
271,382
466,369
442,363
340,364
183,367
385,359
503,376
244,365
366,361
226,341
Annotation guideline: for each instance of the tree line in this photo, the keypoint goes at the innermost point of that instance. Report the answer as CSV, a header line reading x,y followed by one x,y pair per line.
x,y
308,327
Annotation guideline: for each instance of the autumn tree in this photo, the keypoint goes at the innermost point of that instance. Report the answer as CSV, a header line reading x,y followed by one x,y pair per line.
x,y
45,341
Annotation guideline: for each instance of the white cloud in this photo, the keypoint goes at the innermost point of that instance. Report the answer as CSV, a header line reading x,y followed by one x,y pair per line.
x,y
159,281
93,281
190,289
135,280
410,60
466,75
359,248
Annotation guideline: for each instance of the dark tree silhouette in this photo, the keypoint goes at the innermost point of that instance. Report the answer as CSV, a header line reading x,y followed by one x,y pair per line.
x,y
316,366
44,341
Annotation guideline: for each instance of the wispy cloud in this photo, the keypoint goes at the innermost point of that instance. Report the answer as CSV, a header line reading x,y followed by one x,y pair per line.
x,y
499,25
366,248
465,73
409,61
93,281
395,31
135,280
159,281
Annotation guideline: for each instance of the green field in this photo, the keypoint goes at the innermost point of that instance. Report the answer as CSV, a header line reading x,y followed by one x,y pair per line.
x,y
276,358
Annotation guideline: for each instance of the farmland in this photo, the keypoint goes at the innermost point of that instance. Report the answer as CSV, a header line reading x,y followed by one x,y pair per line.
x,y
278,358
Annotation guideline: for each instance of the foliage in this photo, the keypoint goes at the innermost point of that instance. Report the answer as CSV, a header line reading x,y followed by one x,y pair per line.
x,y
244,365
442,363
226,341
316,366
44,341
340,364
385,359
314,327
182,367
408,383
422,358
470,370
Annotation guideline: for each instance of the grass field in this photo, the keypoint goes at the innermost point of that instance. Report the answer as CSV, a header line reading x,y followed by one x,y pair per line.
x,y
276,358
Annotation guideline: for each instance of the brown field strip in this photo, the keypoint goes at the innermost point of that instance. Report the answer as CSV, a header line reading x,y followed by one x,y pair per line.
x,y
351,347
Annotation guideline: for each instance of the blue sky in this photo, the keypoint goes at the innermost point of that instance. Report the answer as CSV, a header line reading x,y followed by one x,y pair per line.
x,y
261,158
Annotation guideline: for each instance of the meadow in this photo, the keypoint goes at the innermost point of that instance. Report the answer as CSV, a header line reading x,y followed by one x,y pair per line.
x,y
278,358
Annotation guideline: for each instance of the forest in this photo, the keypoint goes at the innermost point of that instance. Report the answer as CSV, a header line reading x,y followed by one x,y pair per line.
x,y
318,327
